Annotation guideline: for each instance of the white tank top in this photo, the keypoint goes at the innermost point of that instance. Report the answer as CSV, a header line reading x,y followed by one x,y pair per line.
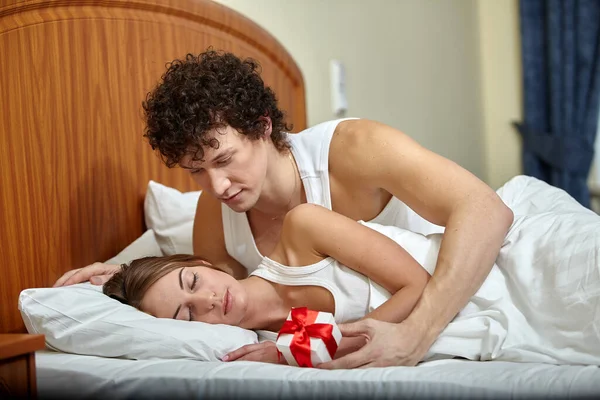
x,y
310,149
354,294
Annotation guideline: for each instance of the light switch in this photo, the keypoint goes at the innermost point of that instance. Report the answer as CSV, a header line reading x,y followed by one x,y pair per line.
x,y
339,101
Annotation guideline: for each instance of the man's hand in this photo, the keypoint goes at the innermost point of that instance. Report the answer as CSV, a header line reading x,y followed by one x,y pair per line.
x,y
262,352
349,345
387,345
97,274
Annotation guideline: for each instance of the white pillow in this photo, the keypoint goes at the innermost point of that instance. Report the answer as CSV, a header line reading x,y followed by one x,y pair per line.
x,y
145,245
80,319
170,214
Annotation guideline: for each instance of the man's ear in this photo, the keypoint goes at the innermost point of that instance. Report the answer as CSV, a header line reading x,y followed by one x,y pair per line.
x,y
268,126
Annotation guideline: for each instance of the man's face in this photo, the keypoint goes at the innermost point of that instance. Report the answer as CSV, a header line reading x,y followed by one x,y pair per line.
x,y
235,172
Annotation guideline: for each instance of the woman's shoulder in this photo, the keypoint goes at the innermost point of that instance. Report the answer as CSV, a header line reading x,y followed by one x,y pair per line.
x,y
301,227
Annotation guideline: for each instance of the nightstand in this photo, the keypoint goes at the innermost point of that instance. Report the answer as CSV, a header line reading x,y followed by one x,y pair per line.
x,y
17,364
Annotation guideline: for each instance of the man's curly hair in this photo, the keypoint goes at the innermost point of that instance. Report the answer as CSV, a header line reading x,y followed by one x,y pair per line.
x,y
204,92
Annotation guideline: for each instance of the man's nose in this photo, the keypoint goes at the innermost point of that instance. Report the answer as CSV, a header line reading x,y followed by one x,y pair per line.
x,y
218,182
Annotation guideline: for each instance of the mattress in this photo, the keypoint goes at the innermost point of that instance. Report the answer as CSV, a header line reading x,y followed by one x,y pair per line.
x,y
61,375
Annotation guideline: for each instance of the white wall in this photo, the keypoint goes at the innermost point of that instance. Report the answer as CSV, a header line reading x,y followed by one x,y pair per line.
x,y
501,87
413,64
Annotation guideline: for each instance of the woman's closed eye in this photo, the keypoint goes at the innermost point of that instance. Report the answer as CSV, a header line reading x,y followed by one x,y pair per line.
x,y
192,286
194,280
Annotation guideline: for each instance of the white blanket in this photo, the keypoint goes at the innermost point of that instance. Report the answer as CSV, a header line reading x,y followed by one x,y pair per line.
x,y
541,301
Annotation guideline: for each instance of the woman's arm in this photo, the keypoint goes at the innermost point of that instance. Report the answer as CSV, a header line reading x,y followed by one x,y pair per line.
x,y
311,232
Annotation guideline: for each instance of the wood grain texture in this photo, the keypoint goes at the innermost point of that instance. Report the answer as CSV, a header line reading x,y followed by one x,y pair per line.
x,y
16,378
17,365
74,166
13,344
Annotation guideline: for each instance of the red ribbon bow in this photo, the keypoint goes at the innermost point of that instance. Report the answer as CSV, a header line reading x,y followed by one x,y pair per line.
x,y
302,326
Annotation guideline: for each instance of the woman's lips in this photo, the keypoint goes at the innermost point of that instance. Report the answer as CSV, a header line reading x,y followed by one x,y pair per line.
x,y
225,301
228,302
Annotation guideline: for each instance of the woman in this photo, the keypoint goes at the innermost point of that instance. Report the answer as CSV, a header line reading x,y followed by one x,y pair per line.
x,y
317,243
328,262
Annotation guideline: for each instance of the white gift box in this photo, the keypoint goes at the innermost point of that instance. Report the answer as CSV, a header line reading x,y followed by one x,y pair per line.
x,y
318,350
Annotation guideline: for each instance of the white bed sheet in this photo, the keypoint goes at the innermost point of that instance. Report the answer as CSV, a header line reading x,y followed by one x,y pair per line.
x,y
61,375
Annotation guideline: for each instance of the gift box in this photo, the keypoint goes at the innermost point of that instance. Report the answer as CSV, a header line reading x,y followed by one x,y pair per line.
x,y
308,338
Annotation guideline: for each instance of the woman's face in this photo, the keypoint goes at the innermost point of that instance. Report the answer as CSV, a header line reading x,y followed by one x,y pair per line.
x,y
197,294
235,172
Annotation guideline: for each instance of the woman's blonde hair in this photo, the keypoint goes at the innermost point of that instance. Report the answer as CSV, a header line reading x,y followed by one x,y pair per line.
x,y
133,281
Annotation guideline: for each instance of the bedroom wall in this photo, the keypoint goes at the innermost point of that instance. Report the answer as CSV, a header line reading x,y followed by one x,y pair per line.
x,y
412,64
501,87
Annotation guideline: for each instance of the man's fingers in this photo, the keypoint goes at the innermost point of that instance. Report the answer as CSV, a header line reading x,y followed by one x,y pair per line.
x,y
352,360
370,365
100,279
77,275
61,281
358,328
80,276
102,271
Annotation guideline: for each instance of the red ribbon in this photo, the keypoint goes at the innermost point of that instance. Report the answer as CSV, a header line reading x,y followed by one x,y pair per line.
x,y
302,326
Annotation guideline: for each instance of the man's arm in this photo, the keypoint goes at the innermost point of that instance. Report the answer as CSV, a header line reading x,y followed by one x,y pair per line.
x,y
209,239
373,155
208,242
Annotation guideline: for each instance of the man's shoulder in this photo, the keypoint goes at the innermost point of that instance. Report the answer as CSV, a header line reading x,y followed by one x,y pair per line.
x,y
330,125
359,147
353,136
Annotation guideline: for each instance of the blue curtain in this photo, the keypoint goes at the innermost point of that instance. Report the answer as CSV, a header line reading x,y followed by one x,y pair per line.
x,y
561,86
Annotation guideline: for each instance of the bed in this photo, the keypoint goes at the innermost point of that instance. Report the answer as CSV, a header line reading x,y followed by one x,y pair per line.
x,y
75,171
96,376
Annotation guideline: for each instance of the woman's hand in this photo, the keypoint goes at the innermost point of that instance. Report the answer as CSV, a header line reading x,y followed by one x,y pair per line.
x,y
262,352
97,274
267,351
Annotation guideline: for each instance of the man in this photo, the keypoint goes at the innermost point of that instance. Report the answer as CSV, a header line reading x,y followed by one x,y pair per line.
x,y
213,116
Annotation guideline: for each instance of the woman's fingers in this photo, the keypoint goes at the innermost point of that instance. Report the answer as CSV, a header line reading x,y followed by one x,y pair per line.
x,y
247,349
262,352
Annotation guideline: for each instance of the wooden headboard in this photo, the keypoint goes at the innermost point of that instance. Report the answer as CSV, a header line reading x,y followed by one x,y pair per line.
x,y
74,166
